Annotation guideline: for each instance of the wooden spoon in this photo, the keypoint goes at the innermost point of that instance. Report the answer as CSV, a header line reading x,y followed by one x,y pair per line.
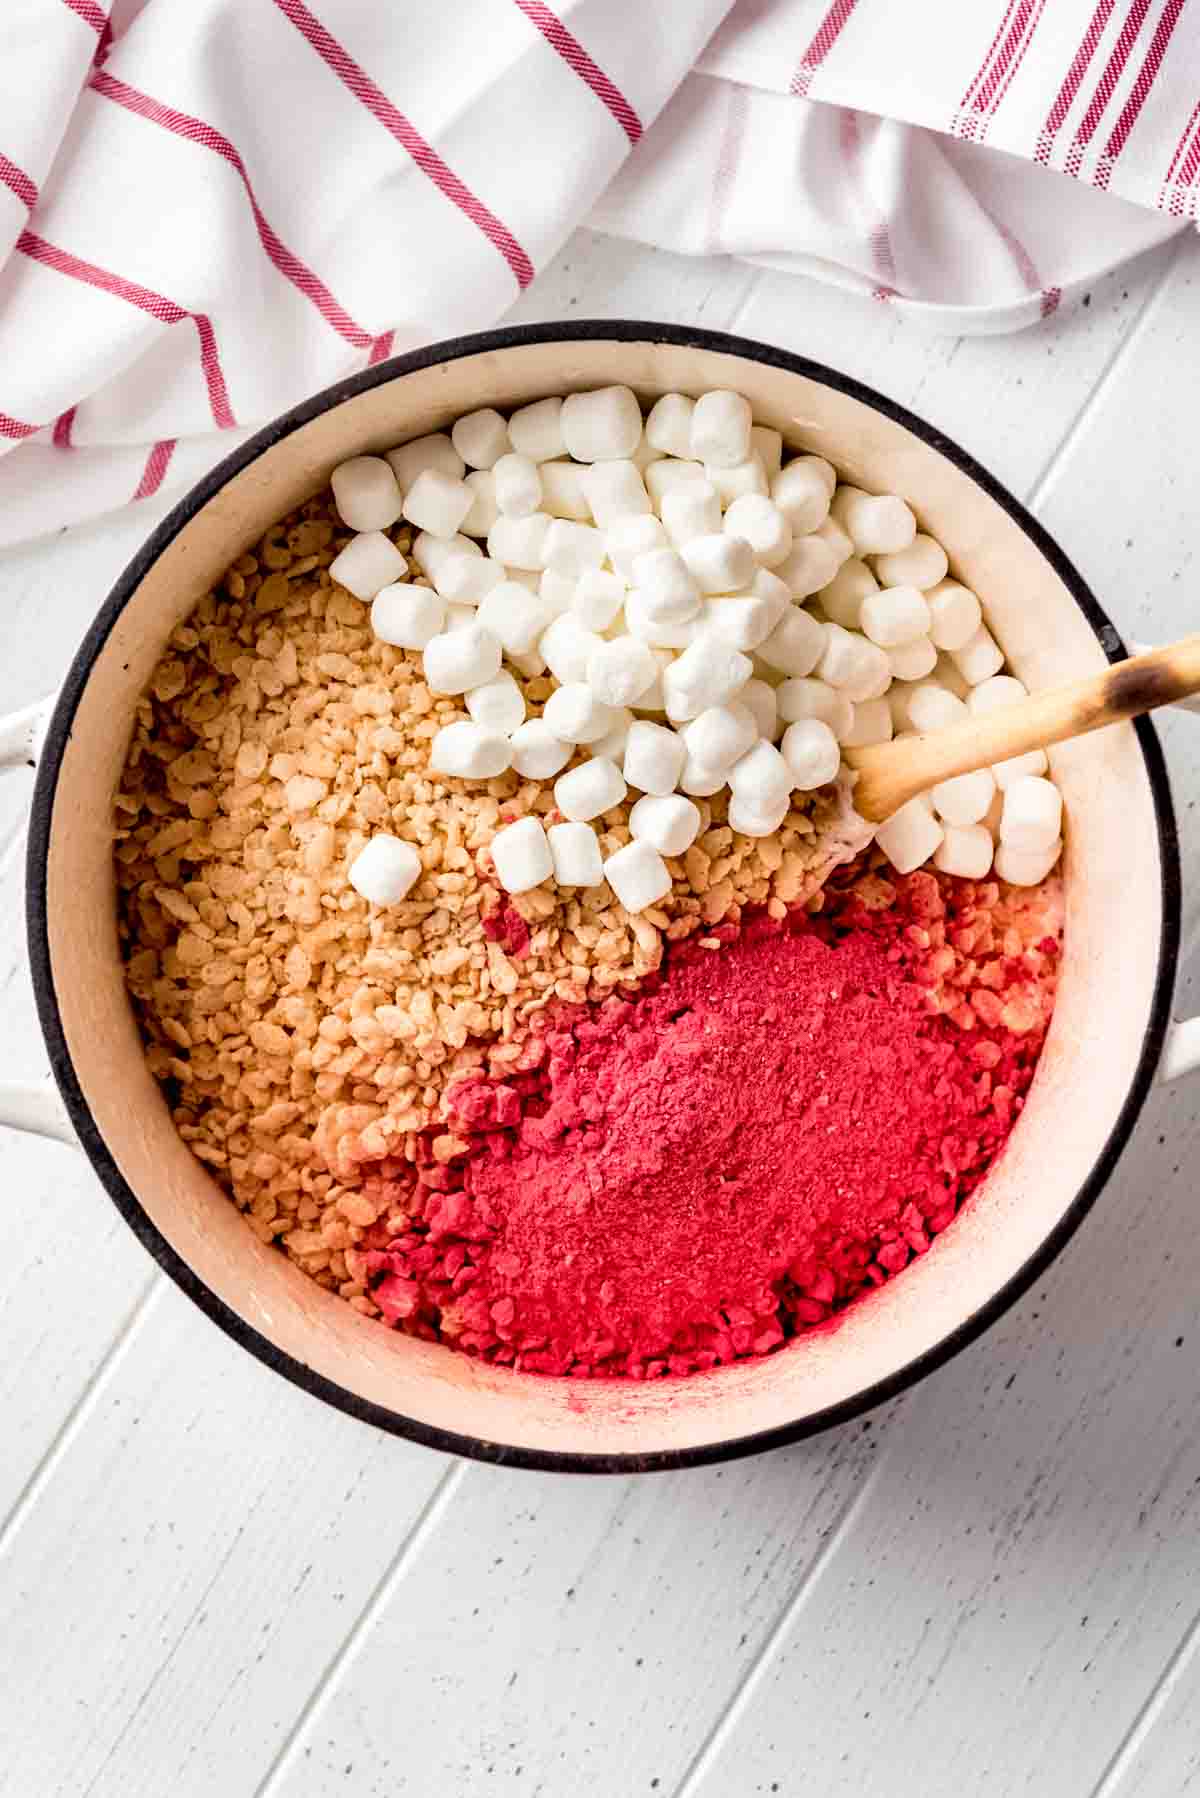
x,y
889,774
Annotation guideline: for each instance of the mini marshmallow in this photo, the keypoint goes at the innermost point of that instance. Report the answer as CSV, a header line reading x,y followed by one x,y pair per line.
x,y
720,564
877,524
515,617
831,534
1032,815
436,503
671,474
721,735
802,493
894,616
979,658
597,599
872,724
435,451
521,856
612,743
659,633
811,698
570,547
669,425
433,555
700,781
763,526
965,850
808,566
946,675
615,490
691,510
654,757
457,660
955,614
385,870
481,438
638,876
537,754
467,580
767,445
563,494
992,695
567,646
759,700
583,793
762,779
602,426
407,616
523,542
964,799
369,563
756,821
842,599
743,621
721,424
796,644
740,481
576,853
654,699
536,430
912,661
910,836
811,752
930,707
923,564
469,751
707,673
1026,867
458,617
630,538
620,671
882,684
576,715
530,665
498,705
1034,761
484,509
668,587
666,821
557,592
366,493
852,664
518,485
644,455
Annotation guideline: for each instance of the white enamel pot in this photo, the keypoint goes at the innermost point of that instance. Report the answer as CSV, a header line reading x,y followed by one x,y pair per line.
x,y
1106,1044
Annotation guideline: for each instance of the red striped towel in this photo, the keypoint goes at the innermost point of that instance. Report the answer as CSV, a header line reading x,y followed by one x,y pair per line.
x,y
208,211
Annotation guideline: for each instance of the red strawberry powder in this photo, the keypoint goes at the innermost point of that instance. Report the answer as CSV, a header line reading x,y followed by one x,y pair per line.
x,y
770,1127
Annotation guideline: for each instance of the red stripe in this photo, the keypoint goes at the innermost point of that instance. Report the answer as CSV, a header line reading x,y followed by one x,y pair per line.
x,y
1106,86
986,64
1065,98
64,424
98,19
1051,297
18,182
12,427
195,131
577,58
381,349
1172,195
1013,67
1139,93
729,155
405,134
166,311
157,463
827,34
995,74
879,240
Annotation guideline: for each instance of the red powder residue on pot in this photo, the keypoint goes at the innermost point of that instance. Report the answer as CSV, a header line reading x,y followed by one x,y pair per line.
x,y
771,1127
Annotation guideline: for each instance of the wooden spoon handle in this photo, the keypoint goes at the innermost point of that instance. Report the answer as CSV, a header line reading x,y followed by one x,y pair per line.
x,y
889,774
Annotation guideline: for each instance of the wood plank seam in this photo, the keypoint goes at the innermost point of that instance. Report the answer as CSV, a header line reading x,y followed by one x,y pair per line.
x,y
1156,1701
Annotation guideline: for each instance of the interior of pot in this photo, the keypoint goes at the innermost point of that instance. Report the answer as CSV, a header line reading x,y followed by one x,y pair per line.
x,y
1114,920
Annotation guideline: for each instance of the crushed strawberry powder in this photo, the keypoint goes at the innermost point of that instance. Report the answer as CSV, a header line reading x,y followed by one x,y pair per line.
x,y
769,1128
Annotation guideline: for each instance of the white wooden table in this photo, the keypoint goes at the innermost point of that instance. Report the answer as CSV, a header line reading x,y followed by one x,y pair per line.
x,y
212,1585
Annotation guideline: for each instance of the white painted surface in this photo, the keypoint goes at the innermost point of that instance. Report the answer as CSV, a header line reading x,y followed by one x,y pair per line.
x,y
211,1584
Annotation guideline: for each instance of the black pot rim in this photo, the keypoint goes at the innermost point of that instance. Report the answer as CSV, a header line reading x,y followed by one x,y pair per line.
x,y
127,1202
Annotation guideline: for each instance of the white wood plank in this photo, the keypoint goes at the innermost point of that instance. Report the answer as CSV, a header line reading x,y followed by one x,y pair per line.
x,y
576,1635
190,1569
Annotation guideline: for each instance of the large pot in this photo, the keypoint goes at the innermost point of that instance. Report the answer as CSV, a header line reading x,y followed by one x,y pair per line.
x,y
1101,1056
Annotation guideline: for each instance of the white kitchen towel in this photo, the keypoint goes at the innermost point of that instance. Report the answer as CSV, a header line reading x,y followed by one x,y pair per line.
x,y
210,208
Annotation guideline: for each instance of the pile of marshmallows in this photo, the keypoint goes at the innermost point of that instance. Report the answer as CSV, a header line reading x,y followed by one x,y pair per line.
x,y
660,569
